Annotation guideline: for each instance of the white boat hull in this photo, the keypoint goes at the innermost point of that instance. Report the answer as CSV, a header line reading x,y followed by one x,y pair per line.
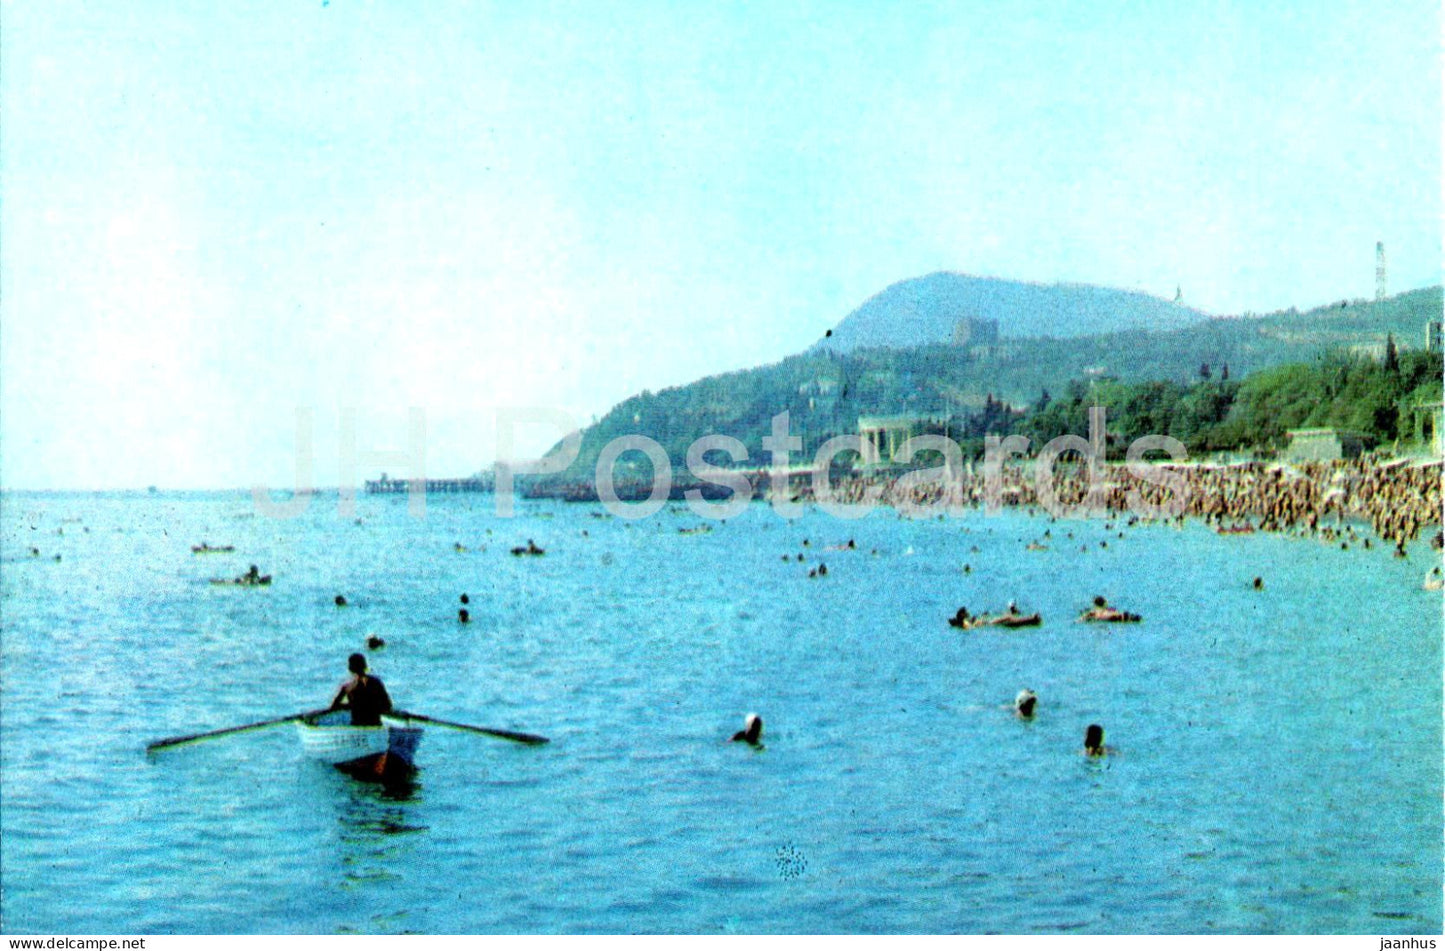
x,y
332,738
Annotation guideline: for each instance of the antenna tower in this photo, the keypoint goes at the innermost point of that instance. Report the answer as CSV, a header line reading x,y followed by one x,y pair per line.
x,y
1379,270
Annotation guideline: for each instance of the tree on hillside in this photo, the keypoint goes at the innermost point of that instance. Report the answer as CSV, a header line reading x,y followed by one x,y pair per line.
x,y
1199,414
1392,356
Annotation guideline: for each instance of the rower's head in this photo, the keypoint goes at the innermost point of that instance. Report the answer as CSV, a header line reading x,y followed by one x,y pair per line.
x,y
1094,740
356,663
1024,703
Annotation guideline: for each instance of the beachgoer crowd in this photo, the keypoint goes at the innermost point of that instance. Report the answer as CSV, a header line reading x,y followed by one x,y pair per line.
x,y
1397,499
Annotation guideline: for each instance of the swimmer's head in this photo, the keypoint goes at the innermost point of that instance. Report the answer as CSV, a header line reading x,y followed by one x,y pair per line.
x,y
1094,740
752,730
1024,703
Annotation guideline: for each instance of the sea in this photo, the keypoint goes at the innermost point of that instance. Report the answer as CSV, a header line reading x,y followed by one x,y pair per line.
x,y
1275,764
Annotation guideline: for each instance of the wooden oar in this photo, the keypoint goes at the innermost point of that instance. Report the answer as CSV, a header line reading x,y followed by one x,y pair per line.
x,y
175,740
527,738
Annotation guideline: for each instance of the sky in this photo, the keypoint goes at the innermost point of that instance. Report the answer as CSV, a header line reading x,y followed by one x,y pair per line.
x,y
231,231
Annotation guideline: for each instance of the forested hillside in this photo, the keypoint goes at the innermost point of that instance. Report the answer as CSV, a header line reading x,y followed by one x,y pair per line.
x,y
1196,376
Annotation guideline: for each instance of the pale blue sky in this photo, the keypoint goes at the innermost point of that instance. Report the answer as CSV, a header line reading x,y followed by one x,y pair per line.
x,y
215,216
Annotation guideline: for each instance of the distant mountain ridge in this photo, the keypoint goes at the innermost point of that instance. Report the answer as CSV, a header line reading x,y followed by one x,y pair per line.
x,y
947,307
827,390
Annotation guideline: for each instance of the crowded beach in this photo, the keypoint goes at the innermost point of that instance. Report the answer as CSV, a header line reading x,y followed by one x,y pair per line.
x,y
1334,501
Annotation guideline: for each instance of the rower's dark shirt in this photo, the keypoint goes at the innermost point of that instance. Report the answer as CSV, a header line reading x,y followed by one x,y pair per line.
x,y
367,699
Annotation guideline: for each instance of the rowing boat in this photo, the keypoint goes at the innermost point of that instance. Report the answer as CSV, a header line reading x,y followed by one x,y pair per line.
x,y
382,752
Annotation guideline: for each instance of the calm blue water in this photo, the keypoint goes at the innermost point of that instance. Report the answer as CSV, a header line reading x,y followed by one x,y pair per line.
x,y
1279,764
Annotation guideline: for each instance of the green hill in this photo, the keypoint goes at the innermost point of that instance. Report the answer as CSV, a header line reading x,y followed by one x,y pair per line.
x,y
986,386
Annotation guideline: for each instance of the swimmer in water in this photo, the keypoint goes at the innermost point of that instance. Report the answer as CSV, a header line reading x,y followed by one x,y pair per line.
x,y
464,616
1024,704
752,731
1094,741
340,601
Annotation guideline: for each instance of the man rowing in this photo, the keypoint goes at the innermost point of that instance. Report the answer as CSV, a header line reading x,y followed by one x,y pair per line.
x,y
364,695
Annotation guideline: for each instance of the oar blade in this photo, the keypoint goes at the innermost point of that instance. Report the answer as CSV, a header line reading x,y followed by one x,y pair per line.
x,y
531,739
